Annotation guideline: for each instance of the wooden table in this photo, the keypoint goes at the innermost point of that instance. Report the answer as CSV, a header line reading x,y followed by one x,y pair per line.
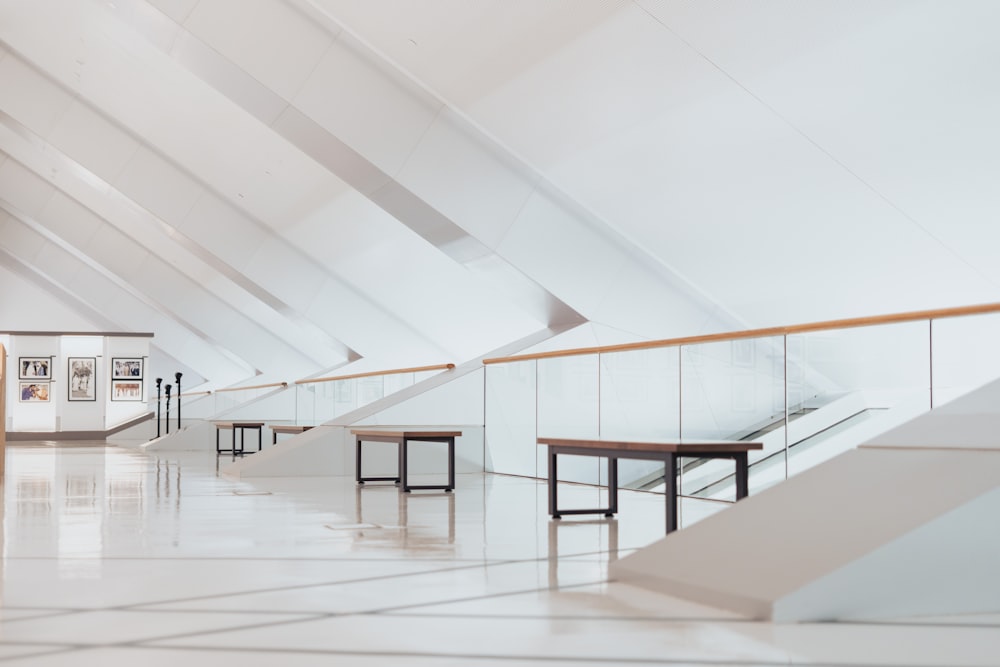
x,y
286,428
237,426
401,438
666,451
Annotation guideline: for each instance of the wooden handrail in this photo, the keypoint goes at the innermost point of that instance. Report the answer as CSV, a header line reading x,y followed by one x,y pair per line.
x,y
196,393
439,367
849,323
256,386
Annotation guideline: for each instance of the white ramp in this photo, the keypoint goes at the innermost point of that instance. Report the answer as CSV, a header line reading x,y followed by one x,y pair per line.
x,y
904,525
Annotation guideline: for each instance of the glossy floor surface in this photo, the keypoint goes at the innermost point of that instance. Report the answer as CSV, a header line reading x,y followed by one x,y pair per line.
x,y
113,557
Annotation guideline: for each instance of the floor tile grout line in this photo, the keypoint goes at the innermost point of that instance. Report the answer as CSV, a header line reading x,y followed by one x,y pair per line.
x,y
401,612
402,655
388,610
262,591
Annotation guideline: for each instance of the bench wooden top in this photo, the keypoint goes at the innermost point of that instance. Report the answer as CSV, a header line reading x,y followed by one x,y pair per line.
x,y
666,446
289,428
227,425
385,433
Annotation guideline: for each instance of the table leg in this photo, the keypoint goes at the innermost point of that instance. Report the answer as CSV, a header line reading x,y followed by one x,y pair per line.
x,y
357,461
670,477
553,485
402,466
260,435
742,475
217,450
451,465
612,487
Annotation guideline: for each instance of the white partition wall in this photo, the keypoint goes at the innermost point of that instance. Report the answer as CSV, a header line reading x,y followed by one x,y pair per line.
x,y
70,383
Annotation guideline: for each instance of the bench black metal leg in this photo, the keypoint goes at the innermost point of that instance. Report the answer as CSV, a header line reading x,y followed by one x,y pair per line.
x,y
451,465
357,462
670,477
217,450
402,466
612,487
742,475
553,486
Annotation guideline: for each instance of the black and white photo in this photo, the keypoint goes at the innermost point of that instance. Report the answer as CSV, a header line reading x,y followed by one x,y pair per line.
x,y
82,379
34,368
126,368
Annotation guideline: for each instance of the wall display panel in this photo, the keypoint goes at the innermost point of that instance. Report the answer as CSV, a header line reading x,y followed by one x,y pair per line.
x,y
81,378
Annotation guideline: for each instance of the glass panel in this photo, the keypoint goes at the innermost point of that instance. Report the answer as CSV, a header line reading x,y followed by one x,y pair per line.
x,y
850,385
510,418
640,394
569,407
966,355
305,403
731,390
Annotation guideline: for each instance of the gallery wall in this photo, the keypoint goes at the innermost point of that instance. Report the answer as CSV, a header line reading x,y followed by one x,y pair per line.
x,y
75,382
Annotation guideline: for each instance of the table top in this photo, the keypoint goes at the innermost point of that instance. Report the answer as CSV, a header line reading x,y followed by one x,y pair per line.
x,y
679,446
289,428
238,424
405,434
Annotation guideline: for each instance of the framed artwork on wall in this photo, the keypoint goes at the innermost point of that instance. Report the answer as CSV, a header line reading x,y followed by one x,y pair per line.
x,y
126,390
34,368
33,392
126,368
82,379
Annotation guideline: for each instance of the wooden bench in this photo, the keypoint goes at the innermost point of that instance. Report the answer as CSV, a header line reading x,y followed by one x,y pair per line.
x,y
286,429
401,438
234,427
666,451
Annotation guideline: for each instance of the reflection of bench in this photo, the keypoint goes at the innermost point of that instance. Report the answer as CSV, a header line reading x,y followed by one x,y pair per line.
x,y
237,426
401,438
279,428
668,452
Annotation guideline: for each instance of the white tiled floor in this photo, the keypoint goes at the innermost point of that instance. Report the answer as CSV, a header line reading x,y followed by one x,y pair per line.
x,y
112,557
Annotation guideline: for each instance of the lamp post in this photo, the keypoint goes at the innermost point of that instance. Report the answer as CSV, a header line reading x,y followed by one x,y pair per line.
x,y
166,389
177,376
159,381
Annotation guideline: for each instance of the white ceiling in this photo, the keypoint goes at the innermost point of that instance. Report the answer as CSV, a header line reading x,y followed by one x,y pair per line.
x,y
279,187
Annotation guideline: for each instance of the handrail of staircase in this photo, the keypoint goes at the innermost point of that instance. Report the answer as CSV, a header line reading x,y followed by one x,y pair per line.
x,y
438,367
256,386
854,322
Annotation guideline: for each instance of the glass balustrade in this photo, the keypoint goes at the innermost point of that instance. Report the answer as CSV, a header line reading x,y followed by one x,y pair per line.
x,y
321,400
806,393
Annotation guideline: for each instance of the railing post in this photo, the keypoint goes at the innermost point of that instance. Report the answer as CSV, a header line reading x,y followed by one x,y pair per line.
x,y
177,375
166,390
159,381
930,358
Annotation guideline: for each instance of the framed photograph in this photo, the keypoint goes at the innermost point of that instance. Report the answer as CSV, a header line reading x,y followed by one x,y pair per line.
x,y
126,390
34,368
34,392
126,368
82,378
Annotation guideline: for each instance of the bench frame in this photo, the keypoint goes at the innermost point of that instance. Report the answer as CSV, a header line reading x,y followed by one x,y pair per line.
x,y
667,452
401,438
241,427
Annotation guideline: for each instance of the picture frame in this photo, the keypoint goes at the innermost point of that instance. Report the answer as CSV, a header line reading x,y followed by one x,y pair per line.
x,y
126,368
126,390
33,392
82,375
34,368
